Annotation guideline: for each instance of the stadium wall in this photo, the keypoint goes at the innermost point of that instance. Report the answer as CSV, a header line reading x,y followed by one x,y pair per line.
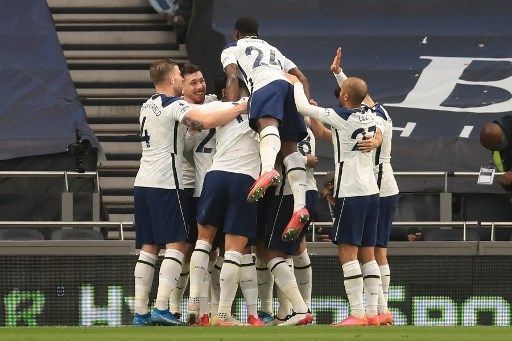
x,y
98,290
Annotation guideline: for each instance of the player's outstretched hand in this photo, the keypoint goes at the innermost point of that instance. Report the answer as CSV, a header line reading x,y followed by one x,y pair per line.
x,y
312,102
293,79
367,145
335,66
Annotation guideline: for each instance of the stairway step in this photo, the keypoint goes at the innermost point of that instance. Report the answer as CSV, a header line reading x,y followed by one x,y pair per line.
x,y
112,101
130,129
122,114
98,4
118,200
116,93
122,165
109,27
109,18
117,37
115,56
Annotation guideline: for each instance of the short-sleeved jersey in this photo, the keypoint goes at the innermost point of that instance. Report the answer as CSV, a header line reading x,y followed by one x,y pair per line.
x,y
305,147
162,137
193,141
383,170
237,145
259,63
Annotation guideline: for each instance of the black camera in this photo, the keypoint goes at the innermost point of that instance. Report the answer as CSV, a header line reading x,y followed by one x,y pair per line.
x,y
79,149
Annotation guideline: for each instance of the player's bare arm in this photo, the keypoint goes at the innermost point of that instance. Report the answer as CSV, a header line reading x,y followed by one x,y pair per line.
x,y
232,92
302,78
198,120
319,129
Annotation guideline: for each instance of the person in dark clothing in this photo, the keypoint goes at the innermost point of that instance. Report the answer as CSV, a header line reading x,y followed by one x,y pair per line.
x,y
497,137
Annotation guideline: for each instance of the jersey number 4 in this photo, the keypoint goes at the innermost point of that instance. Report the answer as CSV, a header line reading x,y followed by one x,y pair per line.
x,y
145,137
272,59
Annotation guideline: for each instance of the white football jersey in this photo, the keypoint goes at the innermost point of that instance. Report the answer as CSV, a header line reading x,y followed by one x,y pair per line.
x,y
305,147
383,170
203,148
259,63
188,174
238,148
162,137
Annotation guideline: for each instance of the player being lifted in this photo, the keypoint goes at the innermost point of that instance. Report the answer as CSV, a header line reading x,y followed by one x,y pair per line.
x,y
272,113
159,219
355,133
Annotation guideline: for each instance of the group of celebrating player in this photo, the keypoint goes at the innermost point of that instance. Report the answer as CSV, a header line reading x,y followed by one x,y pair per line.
x,y
224,176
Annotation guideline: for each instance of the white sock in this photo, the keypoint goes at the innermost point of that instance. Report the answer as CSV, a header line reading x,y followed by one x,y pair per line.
x,y
169,273
285,280
144,273
372,283
265,286
304,276
198,269
204,295
296,173
215,286
229,276
353,281
270,145
285,307
385,276
177,293
248,284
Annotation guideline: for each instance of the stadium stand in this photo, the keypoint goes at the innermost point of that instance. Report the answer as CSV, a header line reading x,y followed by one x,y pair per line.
x,y
19,233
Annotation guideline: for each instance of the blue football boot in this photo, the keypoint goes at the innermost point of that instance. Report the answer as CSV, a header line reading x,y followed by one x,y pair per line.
x,y
165,318
142,320
265,317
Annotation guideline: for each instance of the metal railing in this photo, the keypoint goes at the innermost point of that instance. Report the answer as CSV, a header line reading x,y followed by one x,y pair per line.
x,y
73,224
66,195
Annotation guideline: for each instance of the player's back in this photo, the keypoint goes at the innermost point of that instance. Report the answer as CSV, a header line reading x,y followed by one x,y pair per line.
x,y
259,62
354,169
237,149
383,170
162,141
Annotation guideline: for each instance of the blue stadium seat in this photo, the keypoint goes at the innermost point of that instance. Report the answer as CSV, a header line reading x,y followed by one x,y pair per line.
x,y
19,233
77,234
451,235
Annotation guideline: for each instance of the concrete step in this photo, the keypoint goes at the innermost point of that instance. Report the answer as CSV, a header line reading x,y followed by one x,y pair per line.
x,y
118,200
124,56
131,165
97,3
121,217
109,75
113,113
143,93
117,37
118,186
99,18
115,128
120,148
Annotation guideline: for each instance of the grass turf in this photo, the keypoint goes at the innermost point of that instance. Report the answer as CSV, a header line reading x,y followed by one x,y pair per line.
x,y
247,334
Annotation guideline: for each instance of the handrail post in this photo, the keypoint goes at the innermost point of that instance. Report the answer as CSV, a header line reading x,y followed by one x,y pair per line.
x,y
464,231
67,202
121,231
492,231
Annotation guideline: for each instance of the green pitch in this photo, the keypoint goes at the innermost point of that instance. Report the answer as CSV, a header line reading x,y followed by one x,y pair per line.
x,y
308,333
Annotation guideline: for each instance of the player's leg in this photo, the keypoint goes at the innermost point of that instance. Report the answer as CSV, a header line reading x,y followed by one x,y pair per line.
x,y
386,213
145,267
265,279
210,210
347,234
249,286
293,130
189,204
370,268
301,261
229,277
215,284
303,272
198,271
265,116
169,229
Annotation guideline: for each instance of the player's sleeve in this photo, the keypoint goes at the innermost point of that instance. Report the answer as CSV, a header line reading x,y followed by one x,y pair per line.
x,y
228,56
178,110
325,115
288,64
340,77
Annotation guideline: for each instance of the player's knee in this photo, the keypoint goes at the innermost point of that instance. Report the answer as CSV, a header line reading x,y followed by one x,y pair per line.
x,y
266,121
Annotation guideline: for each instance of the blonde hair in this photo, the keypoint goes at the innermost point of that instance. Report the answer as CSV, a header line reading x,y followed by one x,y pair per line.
x,y
160,69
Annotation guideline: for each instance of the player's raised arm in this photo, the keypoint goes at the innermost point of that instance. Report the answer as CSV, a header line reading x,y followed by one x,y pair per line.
x,y
199,120
232,92
300,76
341,76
